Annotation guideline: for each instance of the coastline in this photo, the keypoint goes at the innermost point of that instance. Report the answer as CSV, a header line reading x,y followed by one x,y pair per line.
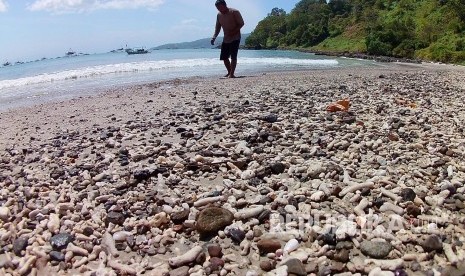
x,y
137,164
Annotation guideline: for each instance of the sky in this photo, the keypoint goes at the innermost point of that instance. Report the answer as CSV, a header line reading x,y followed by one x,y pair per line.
x,y
34,29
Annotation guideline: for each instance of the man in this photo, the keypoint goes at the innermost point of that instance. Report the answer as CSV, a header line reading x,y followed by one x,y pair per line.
x,y
231,21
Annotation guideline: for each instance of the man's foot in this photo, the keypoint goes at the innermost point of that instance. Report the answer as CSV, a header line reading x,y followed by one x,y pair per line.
x,y
226,76
231,76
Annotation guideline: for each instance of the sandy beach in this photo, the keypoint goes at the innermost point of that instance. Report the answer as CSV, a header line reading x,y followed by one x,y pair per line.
x,y
246,176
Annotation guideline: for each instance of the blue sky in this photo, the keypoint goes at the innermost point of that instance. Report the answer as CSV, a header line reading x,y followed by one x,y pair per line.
x,y
32,29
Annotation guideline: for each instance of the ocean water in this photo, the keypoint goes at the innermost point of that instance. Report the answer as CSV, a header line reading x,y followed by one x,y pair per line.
x,y
67,77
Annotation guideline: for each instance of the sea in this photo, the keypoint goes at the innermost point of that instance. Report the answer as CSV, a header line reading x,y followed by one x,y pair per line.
x,y
67,77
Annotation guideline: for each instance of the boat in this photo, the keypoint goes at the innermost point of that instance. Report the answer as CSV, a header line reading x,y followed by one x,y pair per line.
x,y
6,64
136,51
70,53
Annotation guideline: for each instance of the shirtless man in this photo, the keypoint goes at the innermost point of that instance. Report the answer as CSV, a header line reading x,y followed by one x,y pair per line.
x,y
231,21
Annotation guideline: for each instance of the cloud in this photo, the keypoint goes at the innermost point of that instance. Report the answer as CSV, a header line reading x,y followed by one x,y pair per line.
x,y
3,6
76,6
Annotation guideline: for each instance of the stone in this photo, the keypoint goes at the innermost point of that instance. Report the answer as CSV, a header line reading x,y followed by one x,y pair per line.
x,y
432,243
57,256
212,219
270,118
295,266
115,218
342,256
4,213
267,265
180,217
19,245
214,250
180,271
61,241
266,246
237,235
216,264
377,250
413,210
277,168
408,194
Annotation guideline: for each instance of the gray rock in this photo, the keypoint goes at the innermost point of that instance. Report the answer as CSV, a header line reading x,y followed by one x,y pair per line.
x,y
19,245
295,266
432,243
237,235
57,256
377,250
61,241
180,271
115,218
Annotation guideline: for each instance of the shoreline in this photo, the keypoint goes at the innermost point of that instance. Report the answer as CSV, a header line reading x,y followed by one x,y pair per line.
x,y
127,176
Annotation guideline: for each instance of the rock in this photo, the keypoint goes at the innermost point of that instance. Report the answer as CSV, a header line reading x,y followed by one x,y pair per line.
x,y
212,219
237,235
408,194
61,241
266,246
180,271
115,218
329,239
267,265
4,213
277,168
377,250
214,250
19,245
57,256
270,118
180,217
295,266
342,256
216,264
413,210
432,243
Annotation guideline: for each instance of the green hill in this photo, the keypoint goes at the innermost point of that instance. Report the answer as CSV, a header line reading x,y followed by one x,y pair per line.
x,y
421,29
197,44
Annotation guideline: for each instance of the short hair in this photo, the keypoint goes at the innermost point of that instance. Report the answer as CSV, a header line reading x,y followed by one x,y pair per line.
x,y
220,2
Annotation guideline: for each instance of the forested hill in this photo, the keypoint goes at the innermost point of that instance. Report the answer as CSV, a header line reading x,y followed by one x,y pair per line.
x,y
424,29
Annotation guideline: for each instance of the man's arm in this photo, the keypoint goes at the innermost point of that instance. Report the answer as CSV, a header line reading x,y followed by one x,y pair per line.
x,y
239,23
239,20
217,31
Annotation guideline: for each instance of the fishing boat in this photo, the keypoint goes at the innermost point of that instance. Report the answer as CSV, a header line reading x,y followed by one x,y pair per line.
x,y
136,51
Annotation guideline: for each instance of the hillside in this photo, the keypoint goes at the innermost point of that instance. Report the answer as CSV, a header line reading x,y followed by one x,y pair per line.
x,y
419,29
197,44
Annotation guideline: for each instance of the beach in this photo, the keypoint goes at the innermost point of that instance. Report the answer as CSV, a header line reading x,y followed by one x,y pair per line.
x,y
246,176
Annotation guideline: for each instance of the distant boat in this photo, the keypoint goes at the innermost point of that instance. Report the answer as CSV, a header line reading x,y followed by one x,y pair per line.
x,y
6,64
70,52
136,51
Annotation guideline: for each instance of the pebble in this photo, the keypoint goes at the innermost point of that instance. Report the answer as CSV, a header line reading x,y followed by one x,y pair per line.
x,y
295,266
230,183
19,245
212,219
266,246
432,243
374,249
61,241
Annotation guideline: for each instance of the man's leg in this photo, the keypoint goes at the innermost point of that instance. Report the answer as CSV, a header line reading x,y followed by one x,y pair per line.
x,y
233,68
227,64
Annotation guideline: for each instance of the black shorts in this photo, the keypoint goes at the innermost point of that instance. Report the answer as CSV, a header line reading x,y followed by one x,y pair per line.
x,y
229,50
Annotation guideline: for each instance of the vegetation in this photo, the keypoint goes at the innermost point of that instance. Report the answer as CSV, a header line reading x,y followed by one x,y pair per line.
x,y
424,29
